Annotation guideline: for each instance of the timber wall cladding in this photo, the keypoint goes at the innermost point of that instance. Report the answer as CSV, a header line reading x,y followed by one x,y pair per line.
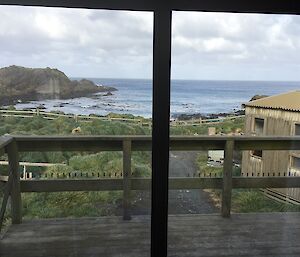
x,y
272,163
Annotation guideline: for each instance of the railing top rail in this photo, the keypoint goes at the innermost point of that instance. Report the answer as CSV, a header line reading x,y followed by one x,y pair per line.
x,y
143,143
82,138
148,137
221,137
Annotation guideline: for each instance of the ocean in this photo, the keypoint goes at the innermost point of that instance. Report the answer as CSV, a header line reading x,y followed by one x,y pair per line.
x,y
134,96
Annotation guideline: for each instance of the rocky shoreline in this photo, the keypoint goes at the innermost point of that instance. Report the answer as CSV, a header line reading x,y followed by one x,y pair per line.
x,y
184,117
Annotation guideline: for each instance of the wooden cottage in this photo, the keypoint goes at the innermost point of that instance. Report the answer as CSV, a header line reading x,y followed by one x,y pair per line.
x,y
277,115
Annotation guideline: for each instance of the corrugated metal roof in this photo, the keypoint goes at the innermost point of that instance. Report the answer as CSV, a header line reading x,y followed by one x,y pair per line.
x,y
287,101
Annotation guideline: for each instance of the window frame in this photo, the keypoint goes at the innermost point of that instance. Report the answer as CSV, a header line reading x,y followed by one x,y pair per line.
x,y
161,78
254,125
254,132
253,155
294,128
292,156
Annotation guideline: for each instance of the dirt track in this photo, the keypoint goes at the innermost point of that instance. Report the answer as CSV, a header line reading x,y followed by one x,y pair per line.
x,y
182,164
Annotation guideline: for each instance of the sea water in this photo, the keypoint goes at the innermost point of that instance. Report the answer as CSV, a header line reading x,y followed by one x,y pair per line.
x,y
134,96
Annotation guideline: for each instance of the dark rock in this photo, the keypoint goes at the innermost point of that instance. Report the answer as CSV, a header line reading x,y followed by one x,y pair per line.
x,y
41,107
59,105
256,97
26,84
239,112
185,116
108,94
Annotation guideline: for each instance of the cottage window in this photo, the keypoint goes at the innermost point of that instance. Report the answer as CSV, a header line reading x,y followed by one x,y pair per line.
x,y
258,129
297,129
256,153
259,125
296,163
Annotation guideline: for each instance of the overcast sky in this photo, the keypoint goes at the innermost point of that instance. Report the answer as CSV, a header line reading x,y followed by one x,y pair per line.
x,y
114,44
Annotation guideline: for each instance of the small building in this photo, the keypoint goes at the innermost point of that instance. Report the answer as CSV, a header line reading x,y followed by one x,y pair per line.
x,y
277,115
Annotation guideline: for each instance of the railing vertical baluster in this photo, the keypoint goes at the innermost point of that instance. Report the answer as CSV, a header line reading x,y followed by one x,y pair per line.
x,y
227,178
16,203
126,178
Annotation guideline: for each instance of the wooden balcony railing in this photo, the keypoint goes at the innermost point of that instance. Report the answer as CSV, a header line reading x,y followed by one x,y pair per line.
x,y
13,186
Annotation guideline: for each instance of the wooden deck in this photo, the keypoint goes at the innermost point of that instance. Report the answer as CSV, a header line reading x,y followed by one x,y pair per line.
x,y
266,234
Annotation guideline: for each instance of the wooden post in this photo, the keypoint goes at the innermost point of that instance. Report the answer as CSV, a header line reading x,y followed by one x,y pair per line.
x,y
16,204
76,117
2,151
126,178
6,194
227,178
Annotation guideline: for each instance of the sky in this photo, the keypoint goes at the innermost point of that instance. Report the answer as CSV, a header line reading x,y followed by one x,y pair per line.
x,y
119,44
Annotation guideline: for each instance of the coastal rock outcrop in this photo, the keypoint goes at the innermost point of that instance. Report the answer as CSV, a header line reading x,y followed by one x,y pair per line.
x,y
19,84
256,97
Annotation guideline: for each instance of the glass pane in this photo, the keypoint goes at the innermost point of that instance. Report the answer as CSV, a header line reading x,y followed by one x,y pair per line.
x,y
297,129
259,126
77,83
234,80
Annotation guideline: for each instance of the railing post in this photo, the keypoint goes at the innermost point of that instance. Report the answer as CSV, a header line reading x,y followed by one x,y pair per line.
x,y
16,204
126,178
227,178
6,194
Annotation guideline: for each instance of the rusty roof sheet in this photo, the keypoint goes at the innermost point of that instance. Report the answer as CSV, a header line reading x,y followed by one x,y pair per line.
x,y
289,101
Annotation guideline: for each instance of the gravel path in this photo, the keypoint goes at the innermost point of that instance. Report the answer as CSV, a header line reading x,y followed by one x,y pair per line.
x,y
182,164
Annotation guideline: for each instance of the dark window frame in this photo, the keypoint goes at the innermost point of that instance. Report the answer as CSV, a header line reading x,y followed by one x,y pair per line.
x,y
295,159
161,78
296,127
257,154
259,121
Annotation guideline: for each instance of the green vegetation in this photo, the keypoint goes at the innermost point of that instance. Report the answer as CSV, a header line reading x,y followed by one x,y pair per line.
x,y
243,200
231,126
75,203
64,126
221,128
45,205
255,201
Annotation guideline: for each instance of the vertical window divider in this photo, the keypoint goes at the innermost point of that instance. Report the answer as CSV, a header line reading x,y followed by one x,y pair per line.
x,y
160,129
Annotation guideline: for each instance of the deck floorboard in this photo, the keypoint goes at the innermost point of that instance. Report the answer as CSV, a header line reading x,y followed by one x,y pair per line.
x,y
263,234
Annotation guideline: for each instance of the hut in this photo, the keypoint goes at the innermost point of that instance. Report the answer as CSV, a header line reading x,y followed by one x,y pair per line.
x,y
277,115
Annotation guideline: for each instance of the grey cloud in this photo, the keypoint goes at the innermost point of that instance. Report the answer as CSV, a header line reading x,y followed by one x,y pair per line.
x,y
77,40
100,43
